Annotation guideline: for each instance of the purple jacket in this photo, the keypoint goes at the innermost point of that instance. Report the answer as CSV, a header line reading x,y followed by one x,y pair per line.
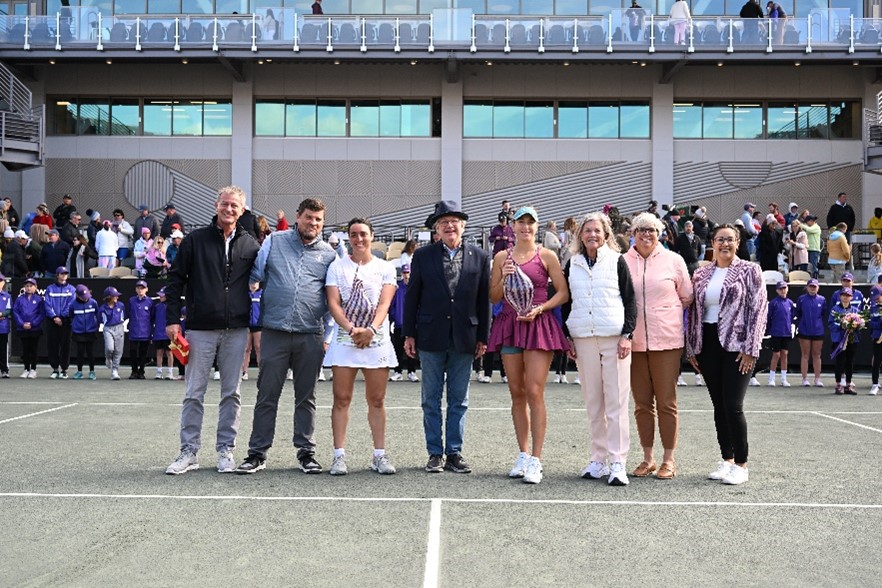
x,y
837,332
111,317
5,314
84,316
58,300
780,317
811,314
875,321
396,309
140,318
29,310
501,244
743,309
158,322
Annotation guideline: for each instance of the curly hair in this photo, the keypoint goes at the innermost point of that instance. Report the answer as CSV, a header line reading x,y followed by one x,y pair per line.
x,y
578,248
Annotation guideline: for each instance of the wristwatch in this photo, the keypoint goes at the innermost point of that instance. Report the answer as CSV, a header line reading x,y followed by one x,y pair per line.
x,y
628,336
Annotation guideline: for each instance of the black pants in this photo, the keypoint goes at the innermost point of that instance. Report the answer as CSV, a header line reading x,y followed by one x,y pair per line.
x,y
405,362
139,355
877,361
490,361
560,363
29,342
4,352
727,387
845,363
86,350
58,342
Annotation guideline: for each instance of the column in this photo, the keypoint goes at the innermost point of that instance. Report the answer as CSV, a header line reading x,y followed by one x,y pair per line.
x,y
663,143
451,141
243,135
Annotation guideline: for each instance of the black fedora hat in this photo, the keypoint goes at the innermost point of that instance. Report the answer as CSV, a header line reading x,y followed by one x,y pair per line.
x,y
446,208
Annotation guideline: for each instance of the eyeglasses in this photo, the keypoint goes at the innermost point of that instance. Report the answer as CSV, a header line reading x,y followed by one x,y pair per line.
x,y
449,222
646,230
724,240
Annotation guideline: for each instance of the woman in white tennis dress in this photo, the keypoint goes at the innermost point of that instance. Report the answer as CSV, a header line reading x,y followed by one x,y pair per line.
x,y
360,288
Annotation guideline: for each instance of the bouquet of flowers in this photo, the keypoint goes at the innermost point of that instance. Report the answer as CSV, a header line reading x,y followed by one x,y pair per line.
x,y
851,321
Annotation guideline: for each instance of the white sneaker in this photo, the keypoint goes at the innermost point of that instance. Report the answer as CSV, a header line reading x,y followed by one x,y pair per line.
x,y
322,376
681,381
32,375
556,378
874,389
53,376
477,377
754,382
577,381
737,475
505,379
290,375
533,475
158,375
114,375
805,383
338,466
771,382
244,376
395,377
785,383
617,475
25,374
382,464
413,377
216,375
563,379
520,466
595,471
721,471
484,379
699,381
183,463
819,383
225,462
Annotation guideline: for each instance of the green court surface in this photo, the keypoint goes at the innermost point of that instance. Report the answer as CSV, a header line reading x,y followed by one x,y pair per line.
x,y
85,502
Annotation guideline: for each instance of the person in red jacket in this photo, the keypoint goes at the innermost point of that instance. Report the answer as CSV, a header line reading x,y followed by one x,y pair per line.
x,y
281,221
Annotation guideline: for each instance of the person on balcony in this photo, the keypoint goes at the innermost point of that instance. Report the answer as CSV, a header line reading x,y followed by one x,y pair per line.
x,y
680,17
317,7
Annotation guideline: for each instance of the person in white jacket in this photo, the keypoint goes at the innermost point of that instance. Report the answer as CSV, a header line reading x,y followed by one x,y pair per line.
x,y
680,17
107,245
124,233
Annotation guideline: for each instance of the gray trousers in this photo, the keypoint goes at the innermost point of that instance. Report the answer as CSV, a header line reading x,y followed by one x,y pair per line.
x,y
280,351
114,337
229,347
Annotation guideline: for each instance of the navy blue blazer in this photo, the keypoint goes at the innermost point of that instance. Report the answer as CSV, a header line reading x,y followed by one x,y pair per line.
x,y
431,311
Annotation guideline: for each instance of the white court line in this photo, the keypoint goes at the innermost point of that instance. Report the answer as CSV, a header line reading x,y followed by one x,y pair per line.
x,y
24,416
807,505
433,546
30,402
833,418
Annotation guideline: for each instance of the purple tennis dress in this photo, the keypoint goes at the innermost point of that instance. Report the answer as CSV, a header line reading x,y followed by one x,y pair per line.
x,y
543,333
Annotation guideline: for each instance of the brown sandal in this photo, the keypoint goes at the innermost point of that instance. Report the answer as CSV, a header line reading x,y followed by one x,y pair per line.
x,y
666,471
643,470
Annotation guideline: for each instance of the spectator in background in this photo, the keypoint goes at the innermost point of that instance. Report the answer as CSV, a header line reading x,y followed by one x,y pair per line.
x,y
34,248
566,239
5,327
15,262
797,246
679,18
749,12
53,254
502,235
792,215
317,7
551,241
171,251
124,234
94,225
770,244
636,20
12,215
71,228
107,245
702,226
63,211
396,316
812,231
154,261
146,220
838,251
506,208
172,217
653,208
43,217
841,212
263,229
689,247
874,266
82,258
775,209
407,255
747,219
281,221
249,223
140,251
875,223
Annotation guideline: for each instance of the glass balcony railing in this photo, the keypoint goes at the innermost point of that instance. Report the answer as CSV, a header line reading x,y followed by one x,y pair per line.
x,y
277,29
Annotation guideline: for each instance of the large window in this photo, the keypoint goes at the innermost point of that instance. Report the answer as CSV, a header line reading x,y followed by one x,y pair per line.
x,y
194,117
771,120
548,119
342,118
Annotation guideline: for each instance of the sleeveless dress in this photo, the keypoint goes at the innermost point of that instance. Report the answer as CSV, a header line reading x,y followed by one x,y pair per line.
x,y
543,333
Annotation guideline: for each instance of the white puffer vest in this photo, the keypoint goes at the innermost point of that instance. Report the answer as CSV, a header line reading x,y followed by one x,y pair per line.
x,y
597,310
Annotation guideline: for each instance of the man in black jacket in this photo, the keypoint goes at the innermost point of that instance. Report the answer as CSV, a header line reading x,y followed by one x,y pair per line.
x,y
54,254
172,217
15,262
213,265
842,212
750,11
63,211
71,228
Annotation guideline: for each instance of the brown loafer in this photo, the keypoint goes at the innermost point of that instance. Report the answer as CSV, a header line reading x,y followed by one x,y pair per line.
x,y
643,470
666,471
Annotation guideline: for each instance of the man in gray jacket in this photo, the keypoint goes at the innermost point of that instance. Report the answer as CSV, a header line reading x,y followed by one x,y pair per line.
x,y
292,266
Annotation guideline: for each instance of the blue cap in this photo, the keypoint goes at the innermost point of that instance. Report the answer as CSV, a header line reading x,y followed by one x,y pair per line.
x,y
781,284
813,282
62,270
526,210
140,284
110,292
31,281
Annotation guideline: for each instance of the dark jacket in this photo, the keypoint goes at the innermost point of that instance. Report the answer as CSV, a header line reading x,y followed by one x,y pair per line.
x,y
12,216
249,223
770,244
217,292
168,221
68,231
841,214
54,255
62,213
432,312
689,250
148,221
317,8
15,264
743,238
751,10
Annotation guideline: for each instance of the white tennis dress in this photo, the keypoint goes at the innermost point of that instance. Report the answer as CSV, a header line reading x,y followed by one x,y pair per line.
x,y
374,275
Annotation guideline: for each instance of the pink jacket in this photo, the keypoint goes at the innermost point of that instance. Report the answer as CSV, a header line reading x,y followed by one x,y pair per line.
x,y
743,309
663,290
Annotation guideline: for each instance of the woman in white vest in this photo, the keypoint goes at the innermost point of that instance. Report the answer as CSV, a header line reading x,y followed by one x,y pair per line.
x,y
600,320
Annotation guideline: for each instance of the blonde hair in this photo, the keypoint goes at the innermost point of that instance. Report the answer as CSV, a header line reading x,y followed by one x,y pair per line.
x,y
233,191
876,254
647,220
39,233
578,248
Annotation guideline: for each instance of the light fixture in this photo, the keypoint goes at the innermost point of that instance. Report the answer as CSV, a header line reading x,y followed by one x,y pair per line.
x,y
260,62
413,62
719,64
796,64
109,62
51,62
566,63
855,62
336,62
642,64
185,61
269,60
488,63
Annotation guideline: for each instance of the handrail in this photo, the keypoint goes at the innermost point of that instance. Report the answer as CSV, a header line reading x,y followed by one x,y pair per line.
x,y
19,96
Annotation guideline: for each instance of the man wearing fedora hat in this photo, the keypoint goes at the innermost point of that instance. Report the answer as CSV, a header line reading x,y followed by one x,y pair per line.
x,y
447,317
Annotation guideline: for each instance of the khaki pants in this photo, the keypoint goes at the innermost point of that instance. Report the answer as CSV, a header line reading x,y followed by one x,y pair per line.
x,y
654,386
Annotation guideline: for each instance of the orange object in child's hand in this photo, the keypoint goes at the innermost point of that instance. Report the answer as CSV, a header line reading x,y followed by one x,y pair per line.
x,y
180,348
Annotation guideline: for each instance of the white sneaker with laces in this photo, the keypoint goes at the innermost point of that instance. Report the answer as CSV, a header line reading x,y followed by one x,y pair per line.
x,y
520,466
819,383
737,475
595,471
413,377
114,375
484,379
382,464
771,382
617,475
225,462
556,379
244,376
395,377
183,463
533,475
681,381
721,471
577,381
805,383
563,379
338,466
874,389
754,382
158,375
699,381
785,383
32,375
25,374
322,376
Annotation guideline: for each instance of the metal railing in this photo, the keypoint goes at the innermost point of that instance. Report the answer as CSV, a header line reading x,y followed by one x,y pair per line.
x,y
15,93
275,29
23,129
